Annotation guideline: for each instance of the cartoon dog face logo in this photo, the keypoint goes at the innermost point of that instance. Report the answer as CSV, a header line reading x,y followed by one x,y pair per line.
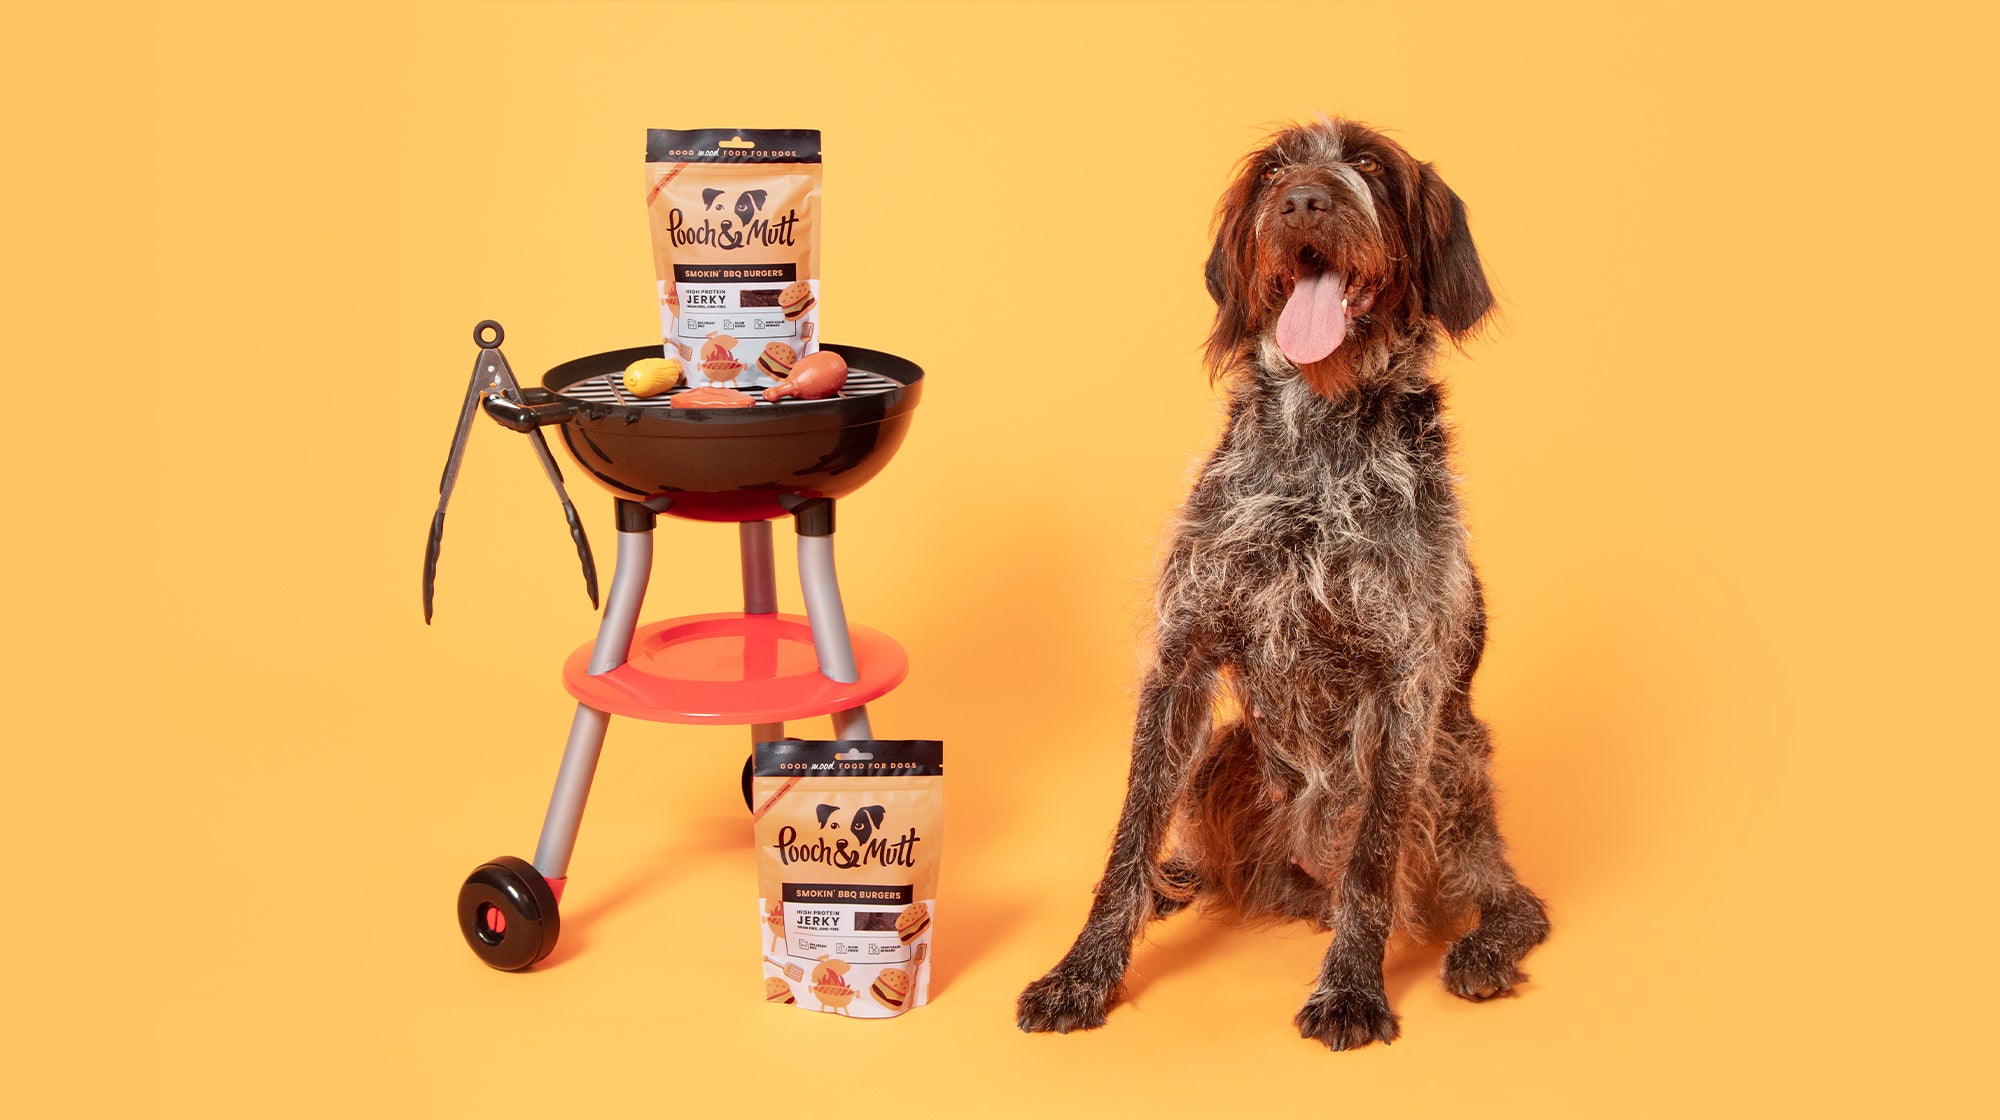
x,y
747,205
866,821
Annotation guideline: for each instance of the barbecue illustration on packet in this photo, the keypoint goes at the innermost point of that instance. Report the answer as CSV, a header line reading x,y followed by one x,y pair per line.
x,y
848,837
830,985
774,920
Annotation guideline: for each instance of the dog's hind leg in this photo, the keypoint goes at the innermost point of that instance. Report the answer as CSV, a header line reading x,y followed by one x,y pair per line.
x,y
1180,879
1485,961
1237,847
1172,724
1183,882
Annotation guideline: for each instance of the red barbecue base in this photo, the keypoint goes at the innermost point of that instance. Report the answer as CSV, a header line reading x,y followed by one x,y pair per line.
x,y
734,668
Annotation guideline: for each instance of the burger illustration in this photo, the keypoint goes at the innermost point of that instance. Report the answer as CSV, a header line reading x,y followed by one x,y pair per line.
x,y
891,989
796,299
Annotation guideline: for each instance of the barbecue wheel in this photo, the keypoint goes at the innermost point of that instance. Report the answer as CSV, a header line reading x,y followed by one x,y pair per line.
x,y
508,913
747,767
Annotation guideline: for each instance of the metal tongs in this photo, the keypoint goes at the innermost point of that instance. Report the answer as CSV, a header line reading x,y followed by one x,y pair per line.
x,y
493,377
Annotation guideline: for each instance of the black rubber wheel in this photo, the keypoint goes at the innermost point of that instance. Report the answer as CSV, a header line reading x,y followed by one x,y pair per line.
x,y
508,914
748,761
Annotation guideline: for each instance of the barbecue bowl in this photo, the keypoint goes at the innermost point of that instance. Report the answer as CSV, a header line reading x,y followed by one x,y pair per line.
x,y
722,464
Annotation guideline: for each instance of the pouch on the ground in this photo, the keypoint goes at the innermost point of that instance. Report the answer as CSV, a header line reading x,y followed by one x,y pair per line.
x,y
848,837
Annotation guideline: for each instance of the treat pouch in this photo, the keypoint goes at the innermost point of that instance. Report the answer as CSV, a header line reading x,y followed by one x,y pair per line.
x,y
848,837
735,215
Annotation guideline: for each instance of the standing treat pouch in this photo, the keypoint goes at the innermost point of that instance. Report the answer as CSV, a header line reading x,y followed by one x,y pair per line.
x,y
735,217
848,838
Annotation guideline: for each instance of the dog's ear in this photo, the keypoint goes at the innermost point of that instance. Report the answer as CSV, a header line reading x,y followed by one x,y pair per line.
x,y
1449,275
823,812
1230,271
867,819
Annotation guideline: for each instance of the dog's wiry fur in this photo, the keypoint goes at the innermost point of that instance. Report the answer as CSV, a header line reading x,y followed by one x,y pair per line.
x,y
1305,746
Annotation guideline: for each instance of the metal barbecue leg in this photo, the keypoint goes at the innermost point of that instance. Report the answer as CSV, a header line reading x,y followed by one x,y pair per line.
x,y
825,612
760,568
586,731
760,596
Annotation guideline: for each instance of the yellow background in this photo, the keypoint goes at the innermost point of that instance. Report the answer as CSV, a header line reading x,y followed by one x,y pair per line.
x,y
1726,459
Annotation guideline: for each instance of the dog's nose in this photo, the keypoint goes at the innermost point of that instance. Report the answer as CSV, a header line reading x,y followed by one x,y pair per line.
x,y
1306,204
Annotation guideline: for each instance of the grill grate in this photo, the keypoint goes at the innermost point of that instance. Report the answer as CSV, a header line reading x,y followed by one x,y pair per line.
x,y
609,388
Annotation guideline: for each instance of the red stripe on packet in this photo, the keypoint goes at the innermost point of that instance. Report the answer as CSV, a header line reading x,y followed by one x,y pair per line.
x,y
766,806
664,180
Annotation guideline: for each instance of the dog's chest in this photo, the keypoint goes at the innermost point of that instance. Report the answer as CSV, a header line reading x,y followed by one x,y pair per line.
x,y
1318,484
1314,520
1301,527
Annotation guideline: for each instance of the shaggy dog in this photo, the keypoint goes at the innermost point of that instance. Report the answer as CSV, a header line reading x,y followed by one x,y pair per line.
x,y
1305,741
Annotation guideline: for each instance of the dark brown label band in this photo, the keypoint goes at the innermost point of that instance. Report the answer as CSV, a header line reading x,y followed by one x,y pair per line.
x,y
736,273
864,758
850,894
732,145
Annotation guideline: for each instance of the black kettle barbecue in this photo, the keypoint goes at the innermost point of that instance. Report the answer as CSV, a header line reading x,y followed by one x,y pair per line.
x,y
704,464
757,667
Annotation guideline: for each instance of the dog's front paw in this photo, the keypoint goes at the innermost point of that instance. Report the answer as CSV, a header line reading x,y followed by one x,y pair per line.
x,y
1062,1003
1478,968
1347,1020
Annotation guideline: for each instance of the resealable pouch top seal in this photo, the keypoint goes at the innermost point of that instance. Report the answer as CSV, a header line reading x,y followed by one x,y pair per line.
x,y
735,215
848,837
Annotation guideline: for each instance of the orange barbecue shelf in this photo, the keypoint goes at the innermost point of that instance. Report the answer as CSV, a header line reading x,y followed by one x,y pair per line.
x,y
734,668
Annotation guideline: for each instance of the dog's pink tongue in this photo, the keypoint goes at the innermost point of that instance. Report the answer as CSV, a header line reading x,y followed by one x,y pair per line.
x,y
1313,322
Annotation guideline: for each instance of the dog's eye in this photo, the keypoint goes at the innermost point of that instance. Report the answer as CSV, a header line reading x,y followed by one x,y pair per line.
x,y
1368,164
1271,174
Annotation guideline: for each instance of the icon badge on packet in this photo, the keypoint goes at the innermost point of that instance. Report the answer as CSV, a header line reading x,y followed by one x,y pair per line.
x,y
848,835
